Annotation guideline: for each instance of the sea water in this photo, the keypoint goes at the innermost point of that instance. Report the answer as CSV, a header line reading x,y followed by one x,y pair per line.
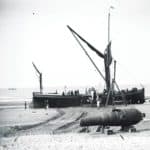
x,y
15,98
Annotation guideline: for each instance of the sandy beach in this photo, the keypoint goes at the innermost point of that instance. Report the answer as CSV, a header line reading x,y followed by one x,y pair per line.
x,y
59,129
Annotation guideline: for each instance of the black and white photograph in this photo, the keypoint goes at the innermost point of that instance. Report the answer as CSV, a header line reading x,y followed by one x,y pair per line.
x,y
74,74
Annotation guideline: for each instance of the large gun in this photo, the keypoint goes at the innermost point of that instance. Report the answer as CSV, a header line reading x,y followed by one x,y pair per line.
x,y
116,117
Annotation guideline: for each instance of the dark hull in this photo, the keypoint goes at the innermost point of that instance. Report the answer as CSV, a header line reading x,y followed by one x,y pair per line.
x,y
134,96
55,100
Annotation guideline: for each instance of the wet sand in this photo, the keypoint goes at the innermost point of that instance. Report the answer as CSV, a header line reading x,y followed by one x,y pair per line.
x,y
59,129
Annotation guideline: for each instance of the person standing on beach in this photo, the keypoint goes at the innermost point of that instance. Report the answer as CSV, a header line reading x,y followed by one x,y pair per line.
x,y
25,105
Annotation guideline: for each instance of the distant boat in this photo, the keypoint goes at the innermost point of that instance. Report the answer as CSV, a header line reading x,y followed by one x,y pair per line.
x,y
12,89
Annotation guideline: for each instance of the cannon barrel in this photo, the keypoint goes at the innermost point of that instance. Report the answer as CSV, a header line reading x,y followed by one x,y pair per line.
x,y
116,117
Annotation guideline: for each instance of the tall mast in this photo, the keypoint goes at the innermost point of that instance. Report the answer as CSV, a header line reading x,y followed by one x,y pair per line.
x,y
108,56
111,7
107,69
109,26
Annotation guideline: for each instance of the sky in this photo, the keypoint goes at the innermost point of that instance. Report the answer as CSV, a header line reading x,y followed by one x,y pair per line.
x,y
35,30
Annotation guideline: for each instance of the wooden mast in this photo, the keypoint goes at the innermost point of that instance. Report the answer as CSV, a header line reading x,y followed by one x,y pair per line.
x,y
107,68
40,77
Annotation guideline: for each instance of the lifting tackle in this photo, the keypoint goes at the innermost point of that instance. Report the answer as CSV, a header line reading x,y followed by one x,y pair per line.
x,y
40,77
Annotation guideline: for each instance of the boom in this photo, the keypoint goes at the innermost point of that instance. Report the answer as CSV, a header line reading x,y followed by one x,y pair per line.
x,y
89,45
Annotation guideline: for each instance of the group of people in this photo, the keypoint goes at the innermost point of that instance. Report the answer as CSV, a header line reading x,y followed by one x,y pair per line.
x,y
95,98
71,92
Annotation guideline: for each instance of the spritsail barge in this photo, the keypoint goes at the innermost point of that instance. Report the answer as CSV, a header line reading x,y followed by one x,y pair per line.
x,y
43,100
110,95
